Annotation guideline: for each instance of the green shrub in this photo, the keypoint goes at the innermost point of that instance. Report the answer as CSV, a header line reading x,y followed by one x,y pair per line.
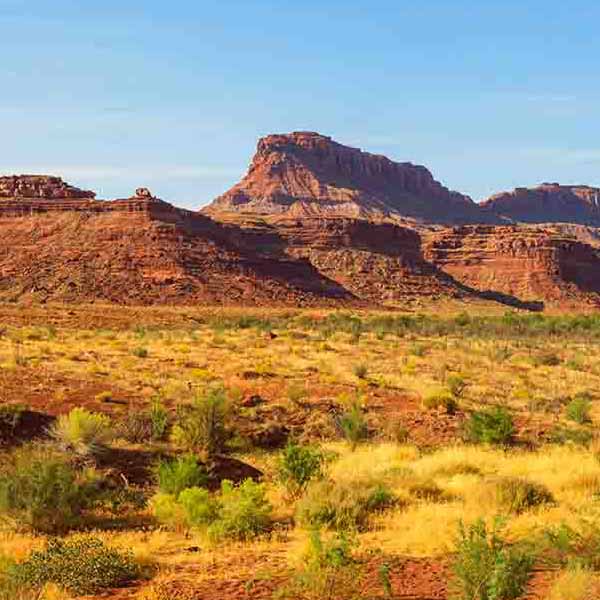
x,y
297,466
329,570
10,588
353,425
159,418
516,495
81,565
199,507
39,489
200,426
342,506
82,432
237,512
174,476
361,370
486,568
493,426
566,435
578,409
140,352
244,511
442,399
562,546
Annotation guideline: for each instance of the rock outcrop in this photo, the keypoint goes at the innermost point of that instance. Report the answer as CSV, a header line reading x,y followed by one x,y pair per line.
x,y
40,187
143,251
379,263
533,264
305,174
548,203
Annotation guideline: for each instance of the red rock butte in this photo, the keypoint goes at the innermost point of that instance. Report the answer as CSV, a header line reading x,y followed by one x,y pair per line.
x,y
548,203
309,174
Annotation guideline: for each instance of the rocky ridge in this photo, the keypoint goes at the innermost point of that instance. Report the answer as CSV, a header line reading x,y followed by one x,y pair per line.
x,y
548,203
305,174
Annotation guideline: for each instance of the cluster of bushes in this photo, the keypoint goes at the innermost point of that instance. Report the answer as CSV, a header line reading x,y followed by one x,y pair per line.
x,y
42,490
239,512
80,565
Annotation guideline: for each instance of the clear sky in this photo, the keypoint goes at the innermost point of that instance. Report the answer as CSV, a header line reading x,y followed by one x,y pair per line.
x,y
115,94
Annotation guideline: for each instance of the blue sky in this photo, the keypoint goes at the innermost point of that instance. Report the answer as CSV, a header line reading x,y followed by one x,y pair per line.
x,y
173,95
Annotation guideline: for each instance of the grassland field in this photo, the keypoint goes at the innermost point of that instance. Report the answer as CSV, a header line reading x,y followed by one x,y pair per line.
x,y
417,424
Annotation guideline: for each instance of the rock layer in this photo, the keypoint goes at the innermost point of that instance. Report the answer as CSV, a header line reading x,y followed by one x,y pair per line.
x,y
142,251
528,263
548,203
308,174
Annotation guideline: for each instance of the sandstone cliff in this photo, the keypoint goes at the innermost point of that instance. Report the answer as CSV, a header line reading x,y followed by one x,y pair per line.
x,y
142,250
308,174
548,203
529,263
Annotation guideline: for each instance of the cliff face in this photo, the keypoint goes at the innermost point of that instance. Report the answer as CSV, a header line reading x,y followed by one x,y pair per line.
x,y
529,263
142,250
548,203
308,174
380,263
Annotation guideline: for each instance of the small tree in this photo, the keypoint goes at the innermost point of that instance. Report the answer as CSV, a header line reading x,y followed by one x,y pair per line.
x,y
200,426
298,465
486,568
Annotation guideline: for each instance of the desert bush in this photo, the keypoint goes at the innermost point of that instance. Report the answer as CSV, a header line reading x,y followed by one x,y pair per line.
x,y
244,511
159,418
82,432
342,506
516,494
135,427
578,409
200,426
298,465
493,426
329,570
457,385
486,567
81,565
41,490
352,424
236,512
140,352
564,546
441,399
361,370
144,426
200,508
174,476
566,435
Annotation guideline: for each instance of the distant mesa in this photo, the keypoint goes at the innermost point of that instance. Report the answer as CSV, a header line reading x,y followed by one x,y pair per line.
x,y
309,174
548,203
40,186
